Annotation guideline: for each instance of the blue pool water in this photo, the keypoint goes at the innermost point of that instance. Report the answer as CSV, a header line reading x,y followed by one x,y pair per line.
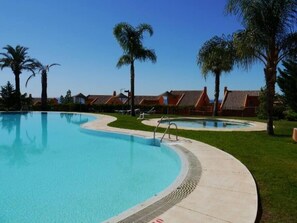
x,y
207,123
52,170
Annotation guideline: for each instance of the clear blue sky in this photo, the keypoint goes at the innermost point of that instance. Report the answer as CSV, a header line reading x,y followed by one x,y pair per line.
x,y
78,35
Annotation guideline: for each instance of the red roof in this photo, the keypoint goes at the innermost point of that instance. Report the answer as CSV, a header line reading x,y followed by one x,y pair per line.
x,y
187,98
235,100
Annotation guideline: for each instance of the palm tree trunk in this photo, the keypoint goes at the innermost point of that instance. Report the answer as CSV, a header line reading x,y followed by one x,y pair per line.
x,y
18,90
44,90
132,88
270,76
217,93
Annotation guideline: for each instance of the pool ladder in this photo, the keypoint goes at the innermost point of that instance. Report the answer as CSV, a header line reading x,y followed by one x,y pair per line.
x,y
167,129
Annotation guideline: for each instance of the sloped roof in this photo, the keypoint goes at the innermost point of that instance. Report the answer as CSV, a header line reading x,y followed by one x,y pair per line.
x,y
121,95
187,98
235,100
167,93
98,99
80,95
139,98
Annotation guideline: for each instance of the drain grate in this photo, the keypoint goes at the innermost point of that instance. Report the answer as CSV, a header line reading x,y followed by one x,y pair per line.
x,y
186,187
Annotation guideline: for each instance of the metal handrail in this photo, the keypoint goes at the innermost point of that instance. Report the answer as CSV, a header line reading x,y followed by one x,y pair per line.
x,y
168,128
163,117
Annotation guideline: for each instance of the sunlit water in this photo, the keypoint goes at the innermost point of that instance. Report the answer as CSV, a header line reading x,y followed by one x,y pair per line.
x,y
52,171
207,123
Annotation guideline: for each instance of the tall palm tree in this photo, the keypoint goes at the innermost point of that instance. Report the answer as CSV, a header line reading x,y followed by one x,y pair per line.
x,y
43,69
217,55
268,37
17,60
130,39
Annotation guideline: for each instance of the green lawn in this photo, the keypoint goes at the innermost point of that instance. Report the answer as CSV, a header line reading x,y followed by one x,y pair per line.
x,y
271,160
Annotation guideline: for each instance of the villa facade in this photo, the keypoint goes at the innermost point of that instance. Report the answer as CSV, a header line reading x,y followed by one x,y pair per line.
x,y
193,100
239,103
186,102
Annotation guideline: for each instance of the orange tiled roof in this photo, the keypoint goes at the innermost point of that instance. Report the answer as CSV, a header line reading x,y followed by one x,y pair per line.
x,y
187,98
235,100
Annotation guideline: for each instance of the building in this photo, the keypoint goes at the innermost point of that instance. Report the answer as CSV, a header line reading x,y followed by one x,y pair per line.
x,y
192,101
79,99
239,103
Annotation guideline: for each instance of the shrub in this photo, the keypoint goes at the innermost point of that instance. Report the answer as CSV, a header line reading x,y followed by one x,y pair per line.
x,y
291,115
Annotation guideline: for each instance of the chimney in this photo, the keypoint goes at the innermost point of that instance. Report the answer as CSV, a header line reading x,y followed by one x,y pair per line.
x,y
114,93
225,89
205,89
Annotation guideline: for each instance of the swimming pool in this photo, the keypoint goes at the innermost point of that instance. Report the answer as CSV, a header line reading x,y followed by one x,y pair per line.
x,y
207,123
52,170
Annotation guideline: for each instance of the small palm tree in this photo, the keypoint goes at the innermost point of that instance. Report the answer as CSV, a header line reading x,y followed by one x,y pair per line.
x,y
130,40
217,55
43,69
268,37
17,60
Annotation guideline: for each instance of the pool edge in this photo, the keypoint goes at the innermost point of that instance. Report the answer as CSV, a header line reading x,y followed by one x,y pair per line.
x,y
234,200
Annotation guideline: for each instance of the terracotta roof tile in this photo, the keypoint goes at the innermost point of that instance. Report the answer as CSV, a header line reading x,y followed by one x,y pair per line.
x,y
139,98
188,98
235,99
98,99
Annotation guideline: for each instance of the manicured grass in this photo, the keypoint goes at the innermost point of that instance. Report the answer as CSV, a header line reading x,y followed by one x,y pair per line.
x,y
271,159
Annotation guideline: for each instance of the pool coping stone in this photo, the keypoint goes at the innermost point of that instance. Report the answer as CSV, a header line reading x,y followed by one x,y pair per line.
x,y
254,126
225,192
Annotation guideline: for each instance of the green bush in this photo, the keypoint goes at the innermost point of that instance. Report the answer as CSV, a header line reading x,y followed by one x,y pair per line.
x,y
291,115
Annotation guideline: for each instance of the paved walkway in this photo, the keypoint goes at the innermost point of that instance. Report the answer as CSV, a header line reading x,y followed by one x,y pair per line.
x,y
226,191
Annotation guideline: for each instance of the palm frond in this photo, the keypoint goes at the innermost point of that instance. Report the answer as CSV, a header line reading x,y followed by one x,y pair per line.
x,y
124,32
238,8
146,54
216,55
46,68
29,78
53,64
248,50
288,47
124,60
142,28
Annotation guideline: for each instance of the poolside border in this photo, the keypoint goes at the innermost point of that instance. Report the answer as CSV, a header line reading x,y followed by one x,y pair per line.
x,y
183,190
226,191
255,126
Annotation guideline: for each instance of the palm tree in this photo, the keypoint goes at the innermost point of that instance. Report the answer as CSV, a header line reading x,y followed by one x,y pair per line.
x,y
130,40
268,37
217,55
43,69
18,61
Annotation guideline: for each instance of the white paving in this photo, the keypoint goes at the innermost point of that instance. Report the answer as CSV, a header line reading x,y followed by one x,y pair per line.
x,y
226,191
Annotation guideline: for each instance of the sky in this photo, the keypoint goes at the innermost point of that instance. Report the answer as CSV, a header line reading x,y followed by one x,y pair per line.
x,y
78,34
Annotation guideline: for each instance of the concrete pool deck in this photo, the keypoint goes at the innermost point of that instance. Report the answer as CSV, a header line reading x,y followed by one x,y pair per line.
x,y
226,190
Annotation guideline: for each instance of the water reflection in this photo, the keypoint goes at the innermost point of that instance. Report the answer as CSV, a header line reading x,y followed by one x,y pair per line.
x,y
22,144
44,129
77,119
